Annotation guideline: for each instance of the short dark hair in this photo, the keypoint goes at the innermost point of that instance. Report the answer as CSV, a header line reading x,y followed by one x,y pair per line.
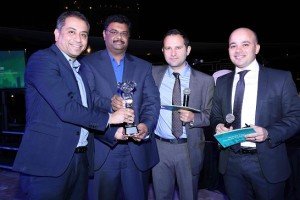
x,y
62,18
122,19
177,32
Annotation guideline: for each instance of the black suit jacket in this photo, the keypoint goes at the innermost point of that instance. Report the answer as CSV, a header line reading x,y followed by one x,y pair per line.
x,y
54,116
101,77
277,110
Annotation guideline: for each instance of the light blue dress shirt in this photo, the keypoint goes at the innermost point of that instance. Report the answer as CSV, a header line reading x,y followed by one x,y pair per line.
x,y
164,125
118,68
75,67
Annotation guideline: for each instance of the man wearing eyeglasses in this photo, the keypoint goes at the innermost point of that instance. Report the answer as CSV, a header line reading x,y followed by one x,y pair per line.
x,y
123,169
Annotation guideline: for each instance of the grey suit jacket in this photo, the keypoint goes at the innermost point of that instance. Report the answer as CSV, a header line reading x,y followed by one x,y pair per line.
x,y
202,88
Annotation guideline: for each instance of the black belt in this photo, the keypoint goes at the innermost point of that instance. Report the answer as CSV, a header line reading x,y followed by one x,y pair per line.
x,y
172,141
247,151
81,149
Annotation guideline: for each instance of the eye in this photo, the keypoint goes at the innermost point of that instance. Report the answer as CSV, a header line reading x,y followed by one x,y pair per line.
x,y
124,34
232,46
114,32
84,35
71,32
178,48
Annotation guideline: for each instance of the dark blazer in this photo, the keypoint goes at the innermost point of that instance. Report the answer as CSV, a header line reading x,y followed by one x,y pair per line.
x,y
202,88
54,116
277,110
101,77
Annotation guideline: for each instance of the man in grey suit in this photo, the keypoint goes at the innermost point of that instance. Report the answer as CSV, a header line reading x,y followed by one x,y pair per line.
x,y
181,156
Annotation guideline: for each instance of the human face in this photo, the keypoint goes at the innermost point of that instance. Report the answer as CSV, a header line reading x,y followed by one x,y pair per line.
x,y
116,38
175,51
243,47
72,38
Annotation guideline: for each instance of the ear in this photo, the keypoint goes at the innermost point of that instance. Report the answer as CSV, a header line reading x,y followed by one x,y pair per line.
x,y
257,48
103,34
189,48
56,34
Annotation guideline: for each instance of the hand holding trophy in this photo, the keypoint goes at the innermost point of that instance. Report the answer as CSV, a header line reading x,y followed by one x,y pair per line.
x,y
127,89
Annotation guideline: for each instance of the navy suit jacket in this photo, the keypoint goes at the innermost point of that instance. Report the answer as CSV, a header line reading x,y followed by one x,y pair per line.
x,y
101,77
277,110
54,116
202,88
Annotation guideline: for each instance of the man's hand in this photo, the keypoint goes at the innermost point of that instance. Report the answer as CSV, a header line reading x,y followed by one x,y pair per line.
x,y
142,132
117,102
120,134
221,128
186,116
260,135
121,115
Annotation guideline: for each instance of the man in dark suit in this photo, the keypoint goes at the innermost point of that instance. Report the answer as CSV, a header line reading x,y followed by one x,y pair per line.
x,y
56,155
123,167
257,168
181,157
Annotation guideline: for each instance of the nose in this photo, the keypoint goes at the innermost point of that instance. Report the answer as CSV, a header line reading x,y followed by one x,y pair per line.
x,y
173,52
77,37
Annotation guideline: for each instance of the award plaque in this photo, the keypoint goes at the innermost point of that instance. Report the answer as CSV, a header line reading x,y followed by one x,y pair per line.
x,y
127,89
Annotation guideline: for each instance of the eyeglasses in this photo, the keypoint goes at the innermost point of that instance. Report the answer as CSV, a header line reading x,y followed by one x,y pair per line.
x,y
115,33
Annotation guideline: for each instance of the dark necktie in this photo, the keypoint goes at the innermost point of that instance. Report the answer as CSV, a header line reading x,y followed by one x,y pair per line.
x,y
238,102
176,100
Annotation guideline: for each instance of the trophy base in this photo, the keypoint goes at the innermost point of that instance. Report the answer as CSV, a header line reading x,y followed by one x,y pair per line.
x,y
131,130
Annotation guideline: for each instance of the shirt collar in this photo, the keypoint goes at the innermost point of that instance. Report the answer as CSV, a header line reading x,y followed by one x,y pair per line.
x,y
112,59
184,72
73,62
253,67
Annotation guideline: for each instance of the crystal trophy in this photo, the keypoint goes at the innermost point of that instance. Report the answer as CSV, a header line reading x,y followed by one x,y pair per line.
x,y
127,89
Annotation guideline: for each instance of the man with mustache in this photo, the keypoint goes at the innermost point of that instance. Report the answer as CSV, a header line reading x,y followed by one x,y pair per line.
x,y
124,167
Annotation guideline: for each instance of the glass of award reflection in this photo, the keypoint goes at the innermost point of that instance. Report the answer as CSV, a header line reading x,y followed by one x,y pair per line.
x,y
127,94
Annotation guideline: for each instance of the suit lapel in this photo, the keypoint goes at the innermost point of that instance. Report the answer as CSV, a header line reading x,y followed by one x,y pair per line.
x,y
129,67
228,92
70,80
192,85
159,74
87,89
109,71
262,91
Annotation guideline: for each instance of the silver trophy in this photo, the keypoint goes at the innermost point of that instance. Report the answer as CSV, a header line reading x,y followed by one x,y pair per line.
x,y
126,89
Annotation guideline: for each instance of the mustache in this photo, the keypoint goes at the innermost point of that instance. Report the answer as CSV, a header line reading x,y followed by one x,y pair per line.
x,y
119,41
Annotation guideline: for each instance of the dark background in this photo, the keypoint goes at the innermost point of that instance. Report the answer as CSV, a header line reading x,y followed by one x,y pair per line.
x,y
207,23
204,21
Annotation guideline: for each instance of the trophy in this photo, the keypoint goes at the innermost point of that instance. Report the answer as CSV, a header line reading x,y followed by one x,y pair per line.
x,y
126,89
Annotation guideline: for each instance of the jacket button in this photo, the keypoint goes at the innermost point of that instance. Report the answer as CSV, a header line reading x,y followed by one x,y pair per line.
x,y
77,133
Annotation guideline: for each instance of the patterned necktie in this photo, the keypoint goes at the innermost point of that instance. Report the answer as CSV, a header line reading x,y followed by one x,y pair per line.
x,y
176,100
238,102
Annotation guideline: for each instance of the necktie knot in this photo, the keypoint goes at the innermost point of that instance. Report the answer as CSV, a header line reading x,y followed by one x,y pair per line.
x,y
176,75
243,73
73,64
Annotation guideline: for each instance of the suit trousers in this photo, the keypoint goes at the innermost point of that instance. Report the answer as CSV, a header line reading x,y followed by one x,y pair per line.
x,y
174,166
119,178
244,179
72,184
